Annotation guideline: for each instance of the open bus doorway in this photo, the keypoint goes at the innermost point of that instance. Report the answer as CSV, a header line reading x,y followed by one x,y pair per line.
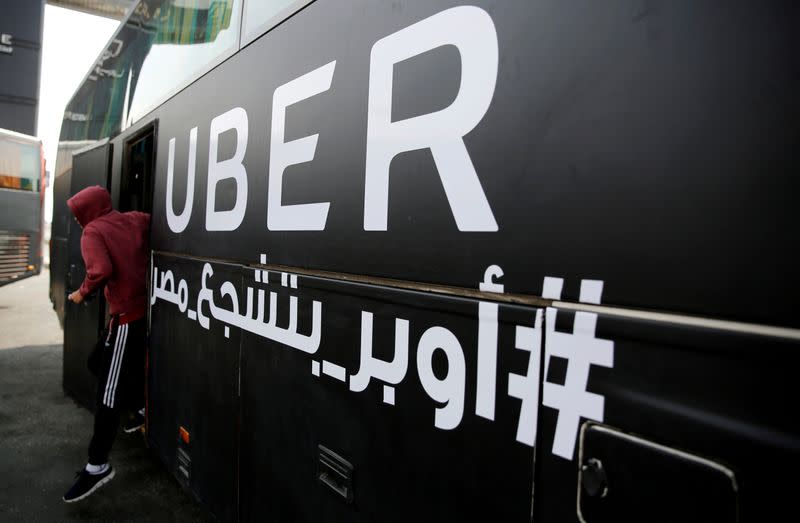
x,y
136,183
83,322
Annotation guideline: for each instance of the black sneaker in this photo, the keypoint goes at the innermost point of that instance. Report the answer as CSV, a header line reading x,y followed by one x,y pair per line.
x,y
87,484
134,423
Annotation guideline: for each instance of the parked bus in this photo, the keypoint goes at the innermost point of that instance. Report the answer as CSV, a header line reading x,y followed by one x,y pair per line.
x,y
22,188
437,260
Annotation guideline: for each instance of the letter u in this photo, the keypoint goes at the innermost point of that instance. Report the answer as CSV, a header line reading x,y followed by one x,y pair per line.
x,y
178,222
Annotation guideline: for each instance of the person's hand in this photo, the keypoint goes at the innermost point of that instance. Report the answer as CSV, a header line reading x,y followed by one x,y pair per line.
x,y
75,297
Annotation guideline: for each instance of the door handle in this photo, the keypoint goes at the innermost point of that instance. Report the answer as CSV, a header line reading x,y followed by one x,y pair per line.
x,y
69,276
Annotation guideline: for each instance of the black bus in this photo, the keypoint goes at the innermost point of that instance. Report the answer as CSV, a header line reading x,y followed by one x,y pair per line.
x,y
22,188
437,260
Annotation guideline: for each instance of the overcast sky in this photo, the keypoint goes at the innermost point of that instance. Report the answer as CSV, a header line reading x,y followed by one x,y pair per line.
x,y
72,42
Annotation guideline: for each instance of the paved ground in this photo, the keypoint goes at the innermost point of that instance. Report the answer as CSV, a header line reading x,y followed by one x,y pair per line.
x,y
26,316
43,434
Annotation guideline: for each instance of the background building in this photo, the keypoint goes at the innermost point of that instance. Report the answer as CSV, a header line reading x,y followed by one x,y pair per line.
x,y
21,23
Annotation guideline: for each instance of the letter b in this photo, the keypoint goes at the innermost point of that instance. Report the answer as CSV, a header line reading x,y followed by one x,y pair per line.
x,y
229,220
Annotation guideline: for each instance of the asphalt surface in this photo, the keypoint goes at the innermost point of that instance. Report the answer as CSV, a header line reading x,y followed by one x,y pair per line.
x,y
44,434
26,316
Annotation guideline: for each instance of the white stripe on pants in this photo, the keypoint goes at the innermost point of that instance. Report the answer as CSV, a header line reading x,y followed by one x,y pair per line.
x,y
116,364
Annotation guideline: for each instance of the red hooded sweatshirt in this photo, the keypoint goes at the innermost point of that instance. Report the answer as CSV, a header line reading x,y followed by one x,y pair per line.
x,y
116,250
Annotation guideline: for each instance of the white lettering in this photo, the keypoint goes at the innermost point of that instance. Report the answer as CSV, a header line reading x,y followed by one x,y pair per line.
x,y
449,390
371,367
471,30
178,222
301,217
229,220
526,386
487,359
487,345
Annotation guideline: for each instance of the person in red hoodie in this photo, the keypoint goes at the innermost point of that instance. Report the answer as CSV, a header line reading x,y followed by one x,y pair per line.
x,y
115,248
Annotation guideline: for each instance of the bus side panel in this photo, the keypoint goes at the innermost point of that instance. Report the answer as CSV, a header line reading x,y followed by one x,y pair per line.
x,y
192,392
417,449
618,135
719,402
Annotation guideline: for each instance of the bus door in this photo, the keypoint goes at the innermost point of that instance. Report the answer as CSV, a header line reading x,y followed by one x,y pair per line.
x,y
83,322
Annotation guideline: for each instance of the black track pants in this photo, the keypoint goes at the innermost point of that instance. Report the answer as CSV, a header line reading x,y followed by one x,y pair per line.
x,y
119,363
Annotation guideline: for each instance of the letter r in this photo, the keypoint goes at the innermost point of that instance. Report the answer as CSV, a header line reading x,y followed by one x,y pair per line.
x,y
472,32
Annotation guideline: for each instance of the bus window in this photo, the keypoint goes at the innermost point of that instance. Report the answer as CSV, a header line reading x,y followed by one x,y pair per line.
x,y
20,166
163,46
187,37
262,15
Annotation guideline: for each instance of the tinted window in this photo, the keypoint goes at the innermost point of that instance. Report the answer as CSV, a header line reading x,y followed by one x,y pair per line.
x,y
187,36
162,46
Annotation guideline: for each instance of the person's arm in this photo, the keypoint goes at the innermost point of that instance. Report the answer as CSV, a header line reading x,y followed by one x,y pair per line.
x,y
98,265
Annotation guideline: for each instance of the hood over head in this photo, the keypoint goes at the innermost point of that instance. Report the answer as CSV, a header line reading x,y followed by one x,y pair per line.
x,y
89,204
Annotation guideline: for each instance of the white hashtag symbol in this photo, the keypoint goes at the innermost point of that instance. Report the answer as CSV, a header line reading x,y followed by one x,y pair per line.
x,y
581,350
